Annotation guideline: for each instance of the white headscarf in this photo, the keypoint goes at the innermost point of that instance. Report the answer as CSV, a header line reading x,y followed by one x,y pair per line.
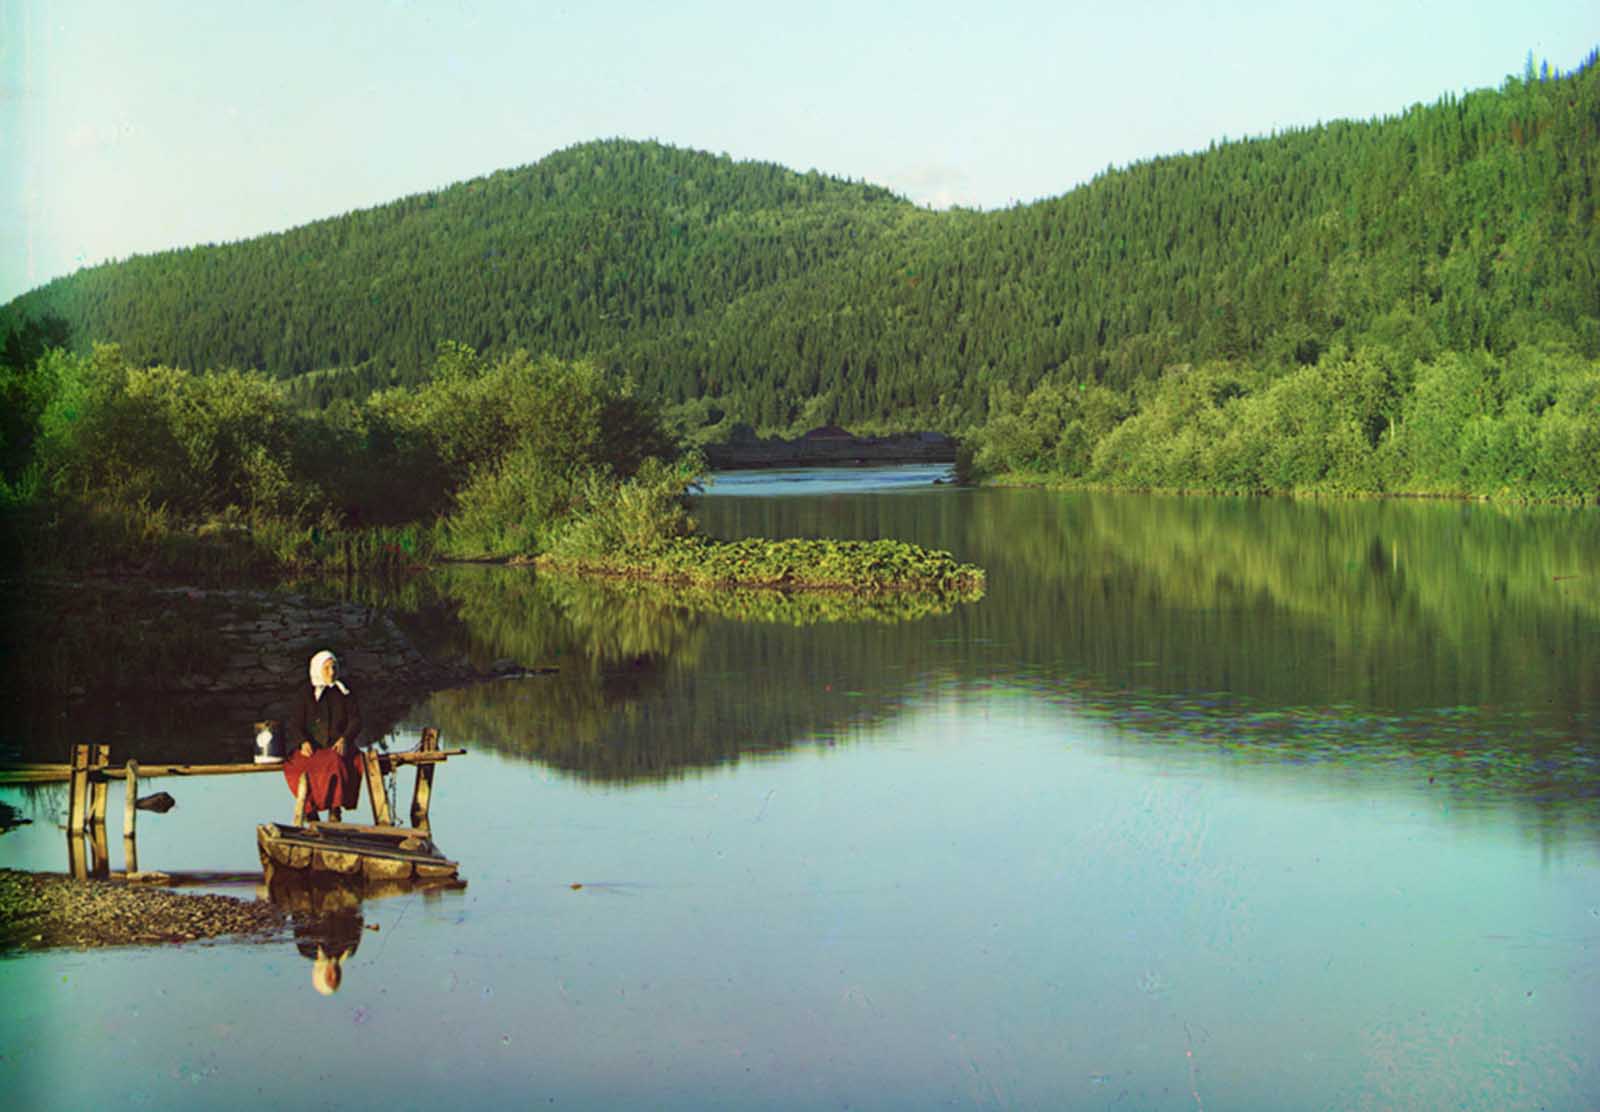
x,y
317,686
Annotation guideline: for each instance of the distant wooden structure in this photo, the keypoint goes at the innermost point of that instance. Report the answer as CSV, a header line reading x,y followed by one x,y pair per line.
x,y
89,773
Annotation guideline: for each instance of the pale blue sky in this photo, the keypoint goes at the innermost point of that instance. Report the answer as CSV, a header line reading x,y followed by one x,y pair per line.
x,y
130,127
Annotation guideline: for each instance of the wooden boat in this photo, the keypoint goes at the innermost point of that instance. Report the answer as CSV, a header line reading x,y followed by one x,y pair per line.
x,y
350,850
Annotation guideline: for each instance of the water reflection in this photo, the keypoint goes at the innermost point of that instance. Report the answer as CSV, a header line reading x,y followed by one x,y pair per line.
x,y
1448,641
326,919
1441,645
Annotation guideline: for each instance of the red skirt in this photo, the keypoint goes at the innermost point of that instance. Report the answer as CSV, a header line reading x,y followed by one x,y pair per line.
x,y
335,780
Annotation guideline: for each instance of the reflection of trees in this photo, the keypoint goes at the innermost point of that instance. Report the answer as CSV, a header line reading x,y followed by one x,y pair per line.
x,y
639,691
1383,604
1363,634
1388,604
1446,640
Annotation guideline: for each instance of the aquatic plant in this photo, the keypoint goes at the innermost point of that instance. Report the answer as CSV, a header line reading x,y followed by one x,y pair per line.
x,y
796,564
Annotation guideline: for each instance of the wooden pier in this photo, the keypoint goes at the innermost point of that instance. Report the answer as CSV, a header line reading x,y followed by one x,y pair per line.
x,y
89,774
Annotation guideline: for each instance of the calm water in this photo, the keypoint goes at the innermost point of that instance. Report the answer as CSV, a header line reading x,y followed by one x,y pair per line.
x,y
1208,804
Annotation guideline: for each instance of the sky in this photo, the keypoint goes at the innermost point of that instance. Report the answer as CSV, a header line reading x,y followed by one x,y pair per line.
x,y
134,126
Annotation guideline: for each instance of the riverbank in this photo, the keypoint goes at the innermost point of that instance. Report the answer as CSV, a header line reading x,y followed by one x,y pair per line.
x,y
1033,480
44,910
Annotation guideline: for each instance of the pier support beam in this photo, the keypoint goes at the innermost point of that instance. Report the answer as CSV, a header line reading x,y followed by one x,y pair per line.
x,y
422,794
375,789
78,792
130,811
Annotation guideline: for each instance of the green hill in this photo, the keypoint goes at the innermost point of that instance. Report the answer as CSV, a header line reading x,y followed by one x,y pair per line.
x,y
1469,225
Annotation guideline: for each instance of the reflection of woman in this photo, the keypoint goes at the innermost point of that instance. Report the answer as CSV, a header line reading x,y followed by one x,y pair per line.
x,y
324,727
328,940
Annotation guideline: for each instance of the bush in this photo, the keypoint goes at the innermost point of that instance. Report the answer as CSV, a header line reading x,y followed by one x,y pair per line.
x,y
640,514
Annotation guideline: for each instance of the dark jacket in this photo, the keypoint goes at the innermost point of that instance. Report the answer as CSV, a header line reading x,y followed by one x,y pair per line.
x,y
324,721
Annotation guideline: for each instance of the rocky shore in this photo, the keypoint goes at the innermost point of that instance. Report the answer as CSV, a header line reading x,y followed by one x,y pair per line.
x,y
42,910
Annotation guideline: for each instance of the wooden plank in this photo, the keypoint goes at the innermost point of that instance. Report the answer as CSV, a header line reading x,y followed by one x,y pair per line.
x,y
24,772
98,786
37,777
394,833
150,772
78,794
376,791
383,868
333,861
419,757
302,789
130,810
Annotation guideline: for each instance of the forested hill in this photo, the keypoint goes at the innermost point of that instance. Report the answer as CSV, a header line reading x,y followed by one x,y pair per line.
x,y
582,251
1471,224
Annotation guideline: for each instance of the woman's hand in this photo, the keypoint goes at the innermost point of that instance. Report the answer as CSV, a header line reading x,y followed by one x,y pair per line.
x,y
338,747
305,749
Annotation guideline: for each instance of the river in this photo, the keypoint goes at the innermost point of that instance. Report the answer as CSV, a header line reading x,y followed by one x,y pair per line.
x,y
1244,804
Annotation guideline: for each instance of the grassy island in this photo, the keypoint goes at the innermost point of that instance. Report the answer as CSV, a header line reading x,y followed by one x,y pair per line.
x,y
806,565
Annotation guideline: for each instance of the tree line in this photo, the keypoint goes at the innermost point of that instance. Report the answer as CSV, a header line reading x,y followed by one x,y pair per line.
x,y
1454,242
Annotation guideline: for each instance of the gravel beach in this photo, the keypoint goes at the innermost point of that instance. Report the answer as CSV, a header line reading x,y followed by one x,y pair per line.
x,y
39,910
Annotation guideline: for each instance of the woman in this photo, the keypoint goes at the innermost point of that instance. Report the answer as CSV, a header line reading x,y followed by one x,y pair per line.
x,y
324,727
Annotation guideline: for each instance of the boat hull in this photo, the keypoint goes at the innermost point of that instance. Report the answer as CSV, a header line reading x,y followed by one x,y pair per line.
x,y
349,850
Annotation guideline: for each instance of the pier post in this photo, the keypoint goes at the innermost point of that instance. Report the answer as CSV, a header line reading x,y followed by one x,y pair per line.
x,y
422,794
99,854
98,786
130,811
376,791
77,857
78,792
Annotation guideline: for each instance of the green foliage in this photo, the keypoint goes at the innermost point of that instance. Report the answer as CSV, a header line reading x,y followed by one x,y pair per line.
x,y
640,514
196,444
179,470
1523,427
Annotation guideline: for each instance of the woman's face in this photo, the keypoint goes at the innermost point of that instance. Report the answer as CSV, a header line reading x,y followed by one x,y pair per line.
x,y
328,670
